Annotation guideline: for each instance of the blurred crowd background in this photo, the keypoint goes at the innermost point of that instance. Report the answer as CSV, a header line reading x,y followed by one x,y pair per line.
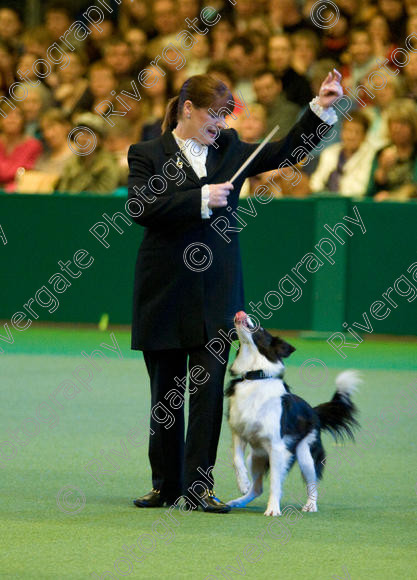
x,y
268,51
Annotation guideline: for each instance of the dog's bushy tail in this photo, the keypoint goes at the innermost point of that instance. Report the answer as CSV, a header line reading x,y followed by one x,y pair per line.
x,y
338,416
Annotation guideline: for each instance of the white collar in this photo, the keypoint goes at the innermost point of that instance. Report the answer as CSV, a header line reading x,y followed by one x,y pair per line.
x,y
184,143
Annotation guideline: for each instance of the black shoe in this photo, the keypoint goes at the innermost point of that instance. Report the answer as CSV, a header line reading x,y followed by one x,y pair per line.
x,y
152,499
208,501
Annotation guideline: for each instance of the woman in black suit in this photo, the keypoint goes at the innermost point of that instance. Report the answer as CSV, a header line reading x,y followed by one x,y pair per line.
x,y
188,279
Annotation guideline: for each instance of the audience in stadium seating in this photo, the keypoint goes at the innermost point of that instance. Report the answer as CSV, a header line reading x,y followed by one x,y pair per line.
x,y
394,168
270,53
17,150
345,167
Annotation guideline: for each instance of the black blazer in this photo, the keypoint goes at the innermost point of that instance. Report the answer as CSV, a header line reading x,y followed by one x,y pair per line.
x,y
172,304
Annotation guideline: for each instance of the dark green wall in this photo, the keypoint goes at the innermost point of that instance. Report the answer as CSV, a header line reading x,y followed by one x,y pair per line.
x,y
41,230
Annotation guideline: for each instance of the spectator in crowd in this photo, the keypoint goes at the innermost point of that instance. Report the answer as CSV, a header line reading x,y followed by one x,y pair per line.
x,y
118,56
38,99
157,98
410,77
335,39
94,44
286,16
380,35
137,40
95,171
72,91
306,47
49,166
188,9
16,148
167,24
198,58
55,129
252,127
58,19
394,12
118,140
102,81
221,34
279,110
223,70
245,11
394,168
37,40
10,27
360,60
379,109
296,87
241,53
345,167
7,66
136,14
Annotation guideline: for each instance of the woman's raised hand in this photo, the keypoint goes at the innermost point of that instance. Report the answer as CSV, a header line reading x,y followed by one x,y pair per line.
x,y
330,89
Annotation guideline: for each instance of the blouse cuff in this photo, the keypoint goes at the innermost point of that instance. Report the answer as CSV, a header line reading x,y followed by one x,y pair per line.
x,y
328,115
205,195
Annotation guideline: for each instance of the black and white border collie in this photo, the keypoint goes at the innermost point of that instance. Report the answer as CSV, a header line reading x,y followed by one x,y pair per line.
x,y
279,426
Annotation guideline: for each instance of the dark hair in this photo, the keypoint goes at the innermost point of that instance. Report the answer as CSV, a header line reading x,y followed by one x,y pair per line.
x,y
245,42
359,117
223,67
267,71
204,91
59,6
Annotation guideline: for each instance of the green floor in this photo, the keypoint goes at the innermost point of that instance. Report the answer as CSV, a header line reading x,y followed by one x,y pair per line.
x,y
365,527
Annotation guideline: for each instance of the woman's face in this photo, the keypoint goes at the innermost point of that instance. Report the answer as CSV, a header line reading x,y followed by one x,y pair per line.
x,y
352,135
202,126
55,133
32,105
73,71
360,48
252,128
13,124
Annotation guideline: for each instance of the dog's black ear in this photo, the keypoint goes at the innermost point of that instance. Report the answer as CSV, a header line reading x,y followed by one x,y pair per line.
x,y
282,348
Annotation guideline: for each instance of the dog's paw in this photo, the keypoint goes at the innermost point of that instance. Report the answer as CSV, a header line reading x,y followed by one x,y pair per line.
x,y
272,512
235,503
310,506
243,484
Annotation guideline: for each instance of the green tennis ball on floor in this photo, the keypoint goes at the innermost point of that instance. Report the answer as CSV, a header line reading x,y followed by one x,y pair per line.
x,y
103,322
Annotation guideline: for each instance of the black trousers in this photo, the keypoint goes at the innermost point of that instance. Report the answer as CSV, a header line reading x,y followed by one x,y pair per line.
x,y
174,462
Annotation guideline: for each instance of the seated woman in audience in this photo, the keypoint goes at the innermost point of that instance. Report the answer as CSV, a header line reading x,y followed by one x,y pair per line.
x,y
71,92
91,168
49,166
17,150
394,168
379,109
345,167
55,128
